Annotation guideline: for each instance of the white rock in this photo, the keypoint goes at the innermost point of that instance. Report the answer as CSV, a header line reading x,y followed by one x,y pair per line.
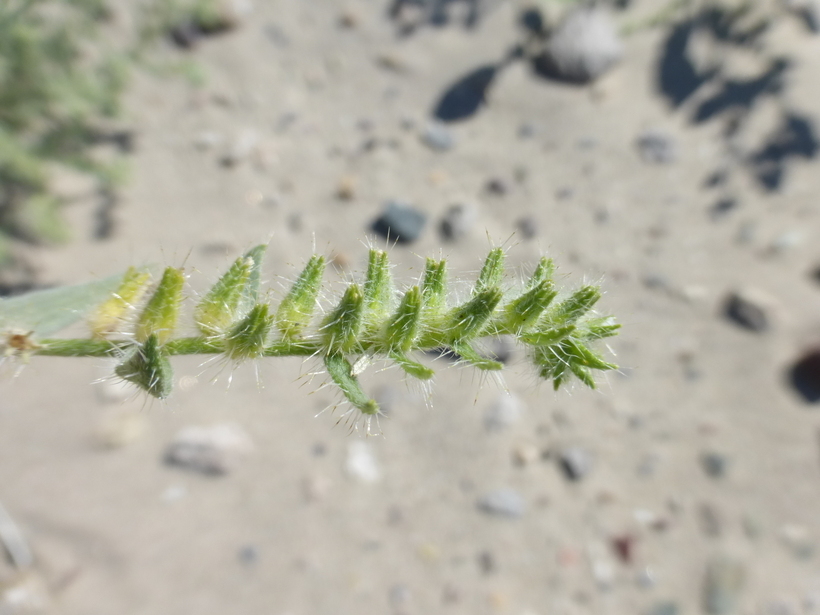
x,y
584,46
209,450
503,412
361,464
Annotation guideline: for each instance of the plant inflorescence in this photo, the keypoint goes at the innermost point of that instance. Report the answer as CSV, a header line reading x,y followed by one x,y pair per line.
x,y
136,321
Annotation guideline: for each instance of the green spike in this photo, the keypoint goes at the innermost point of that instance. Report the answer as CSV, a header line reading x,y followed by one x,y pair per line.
x,y
548,337
250,293
412,368
572,308
296,310
219,309
341,372
378,287
468,353
403,327
434,286
523,312
583,374
342,328
584,356
249,336
543,273
599,328
467,320
147,366
161,313
492,272
109,315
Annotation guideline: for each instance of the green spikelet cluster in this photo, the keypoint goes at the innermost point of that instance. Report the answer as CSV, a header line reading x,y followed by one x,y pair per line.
x,y
371,321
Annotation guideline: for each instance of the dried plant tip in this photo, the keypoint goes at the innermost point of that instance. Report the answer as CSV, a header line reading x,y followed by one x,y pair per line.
x,y
491,273
341,372
219,309
296,310
342,328
378,287
403,328
467,320
159,317
249,336
108,317
147,366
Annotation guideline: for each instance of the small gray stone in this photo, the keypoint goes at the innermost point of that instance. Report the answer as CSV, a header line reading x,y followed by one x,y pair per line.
x,y
666,607
502,502
503,412
749,309
458,220
400,222
527,227
438,137
657,148
486,562
576,462
497,186
399,595
714,464
723,581
584,46
209,450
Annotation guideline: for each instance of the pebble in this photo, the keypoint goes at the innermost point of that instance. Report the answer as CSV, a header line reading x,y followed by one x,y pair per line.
x,y
242,147
525,454
213,450
750,309
458,220
399,595
657,148
346,188
361,464
714,464
797,539
711,520
400,222
504,502
723,582
486,562
438,137
584,46
121,428
248,555
527,227
666,607
505,411
497,187
805,375
576,462
207,139
624,547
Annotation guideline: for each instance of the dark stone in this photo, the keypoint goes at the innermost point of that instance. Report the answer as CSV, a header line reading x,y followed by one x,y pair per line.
x,y
576,463
400,222
466,96
657,148
805,376
723,207
528,227
747,313
714,464
497,187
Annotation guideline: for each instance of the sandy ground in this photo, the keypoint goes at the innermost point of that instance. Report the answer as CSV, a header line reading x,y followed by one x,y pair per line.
x,y
288,531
